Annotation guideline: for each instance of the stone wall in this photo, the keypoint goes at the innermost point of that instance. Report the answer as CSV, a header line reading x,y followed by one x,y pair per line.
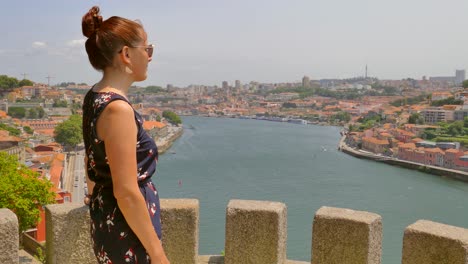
x,y
256,232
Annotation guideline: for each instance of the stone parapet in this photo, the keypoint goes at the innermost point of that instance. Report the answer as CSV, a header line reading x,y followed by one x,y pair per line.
x,y
67,234
344,236
180,221
256,232
434,243
9,234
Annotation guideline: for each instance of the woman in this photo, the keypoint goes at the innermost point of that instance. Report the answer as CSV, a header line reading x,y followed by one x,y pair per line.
x,y
120,156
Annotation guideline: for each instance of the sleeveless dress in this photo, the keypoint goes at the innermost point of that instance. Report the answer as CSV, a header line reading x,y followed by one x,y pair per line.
x,y
113,240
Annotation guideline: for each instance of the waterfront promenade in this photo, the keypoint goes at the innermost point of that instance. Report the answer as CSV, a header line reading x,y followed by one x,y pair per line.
x,y
455,174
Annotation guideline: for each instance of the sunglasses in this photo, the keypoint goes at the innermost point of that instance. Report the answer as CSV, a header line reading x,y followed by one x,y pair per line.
x,y
148,48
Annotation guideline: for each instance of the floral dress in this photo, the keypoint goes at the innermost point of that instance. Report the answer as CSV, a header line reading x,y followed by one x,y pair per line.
x,y
113,240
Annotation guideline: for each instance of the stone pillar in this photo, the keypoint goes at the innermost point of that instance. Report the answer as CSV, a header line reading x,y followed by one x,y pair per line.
x,y
9,234
430,243
256,232
67,234
344,236
180,219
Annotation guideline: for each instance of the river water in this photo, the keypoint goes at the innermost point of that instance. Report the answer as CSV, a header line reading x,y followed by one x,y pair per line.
x,y
222,159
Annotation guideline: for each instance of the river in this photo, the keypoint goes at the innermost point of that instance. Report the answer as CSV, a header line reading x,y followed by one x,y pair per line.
x,y
222,159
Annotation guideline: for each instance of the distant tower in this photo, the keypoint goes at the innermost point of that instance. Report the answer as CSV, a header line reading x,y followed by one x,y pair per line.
x,y
459,76
48,80
225,85
305,81
238,85
366,72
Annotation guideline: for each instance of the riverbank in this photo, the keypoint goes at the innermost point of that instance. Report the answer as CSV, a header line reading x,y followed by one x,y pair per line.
x,y
444,172
166,142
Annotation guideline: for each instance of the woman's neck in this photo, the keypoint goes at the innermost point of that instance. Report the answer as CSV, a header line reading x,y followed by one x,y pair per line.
x,y
114,82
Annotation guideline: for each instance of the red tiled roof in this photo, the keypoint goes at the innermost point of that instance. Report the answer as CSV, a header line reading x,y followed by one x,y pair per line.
x,y
148,125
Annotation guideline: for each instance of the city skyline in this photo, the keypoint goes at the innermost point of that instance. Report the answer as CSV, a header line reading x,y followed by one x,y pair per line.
x,y
209,42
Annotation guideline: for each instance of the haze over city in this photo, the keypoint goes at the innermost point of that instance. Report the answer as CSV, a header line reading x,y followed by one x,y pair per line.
x,y
207,42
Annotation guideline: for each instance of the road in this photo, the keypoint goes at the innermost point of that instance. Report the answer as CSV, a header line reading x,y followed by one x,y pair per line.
x,y
77,177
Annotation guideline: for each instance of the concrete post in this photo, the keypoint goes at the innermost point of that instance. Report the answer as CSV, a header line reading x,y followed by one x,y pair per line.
x,y
9,234
430,243
344,236
256,232
67,234
180,218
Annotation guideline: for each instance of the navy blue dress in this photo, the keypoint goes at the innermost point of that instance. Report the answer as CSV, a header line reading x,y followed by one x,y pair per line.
x,y
113,240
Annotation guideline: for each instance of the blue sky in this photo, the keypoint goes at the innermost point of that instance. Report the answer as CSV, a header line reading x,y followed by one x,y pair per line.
x,y
208,41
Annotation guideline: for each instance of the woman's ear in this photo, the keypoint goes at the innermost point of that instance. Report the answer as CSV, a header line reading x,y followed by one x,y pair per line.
x,y
124,55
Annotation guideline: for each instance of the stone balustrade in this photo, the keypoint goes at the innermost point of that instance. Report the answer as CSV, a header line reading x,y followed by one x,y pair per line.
x,y
256,232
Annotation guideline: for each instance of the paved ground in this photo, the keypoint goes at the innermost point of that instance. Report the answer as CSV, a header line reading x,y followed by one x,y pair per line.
x,y
220,260
26,258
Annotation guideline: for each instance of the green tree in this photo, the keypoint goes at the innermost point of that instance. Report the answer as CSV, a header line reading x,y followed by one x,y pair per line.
x,y
69,132
465,84
172,117
154,89
289,105
32,113
465,122
22,191
416,118
28,130
456,128
60,103
25,82
13,131
429,134
342,116
8,82
17,112
40,112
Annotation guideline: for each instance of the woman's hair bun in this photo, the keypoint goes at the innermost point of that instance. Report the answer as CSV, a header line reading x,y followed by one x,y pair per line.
x,y
91,22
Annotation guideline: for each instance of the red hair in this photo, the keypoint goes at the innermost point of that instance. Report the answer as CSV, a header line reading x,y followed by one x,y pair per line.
x,y
106,38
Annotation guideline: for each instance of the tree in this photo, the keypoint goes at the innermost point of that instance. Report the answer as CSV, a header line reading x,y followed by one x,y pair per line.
x,y
60,103
465,122
289,105
13,131
456,128
342,116
28,130
25,82
416,118
69,133
465,84
154,89
7,82
17,112
40,112
22,191
32,113
172,117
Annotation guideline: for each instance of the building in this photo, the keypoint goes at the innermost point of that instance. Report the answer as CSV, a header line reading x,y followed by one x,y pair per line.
x,y
437,114
459,76
238,85
305,81
225,85
375,145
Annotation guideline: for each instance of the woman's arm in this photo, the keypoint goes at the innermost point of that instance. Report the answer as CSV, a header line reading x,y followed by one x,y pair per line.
x,y
116,127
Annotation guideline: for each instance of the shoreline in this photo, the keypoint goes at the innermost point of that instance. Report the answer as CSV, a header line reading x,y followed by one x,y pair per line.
x,y
434,170
165,143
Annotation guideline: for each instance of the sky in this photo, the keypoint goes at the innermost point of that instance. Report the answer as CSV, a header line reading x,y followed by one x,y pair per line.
x,y
205,42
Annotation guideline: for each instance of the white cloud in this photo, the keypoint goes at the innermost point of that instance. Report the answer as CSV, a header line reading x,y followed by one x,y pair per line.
x,y
39,45
76,43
